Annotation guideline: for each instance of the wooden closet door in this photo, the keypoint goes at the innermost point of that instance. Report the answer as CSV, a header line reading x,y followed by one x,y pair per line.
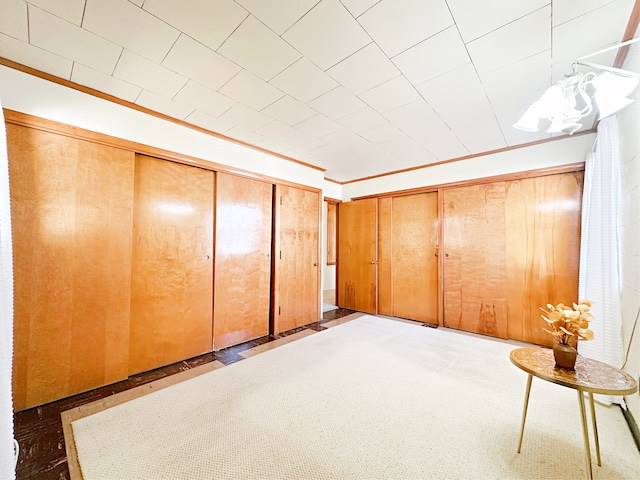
x,y
297,288
414,245
543,217
475,278
242,291
357,255
172,285
72,206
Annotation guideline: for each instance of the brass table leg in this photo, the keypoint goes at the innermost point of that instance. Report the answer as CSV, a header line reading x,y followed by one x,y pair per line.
x,y
524,410
595,428
585,432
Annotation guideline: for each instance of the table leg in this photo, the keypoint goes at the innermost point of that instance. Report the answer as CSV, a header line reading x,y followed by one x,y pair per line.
x,y
524,410
595,428
585,432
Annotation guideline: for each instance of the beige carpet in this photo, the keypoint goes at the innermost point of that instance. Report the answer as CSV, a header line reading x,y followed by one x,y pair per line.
x,y
369,399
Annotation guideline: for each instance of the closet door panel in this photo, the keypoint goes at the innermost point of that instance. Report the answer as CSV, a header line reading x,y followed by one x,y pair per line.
x,y
543,217
242,291
385,261
172,282
475,278
357,255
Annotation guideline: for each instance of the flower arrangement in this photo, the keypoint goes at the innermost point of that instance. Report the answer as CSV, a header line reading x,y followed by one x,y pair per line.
x,y
566,322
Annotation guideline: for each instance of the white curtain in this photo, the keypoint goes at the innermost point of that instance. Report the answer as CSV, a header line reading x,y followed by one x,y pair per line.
x,y
600,276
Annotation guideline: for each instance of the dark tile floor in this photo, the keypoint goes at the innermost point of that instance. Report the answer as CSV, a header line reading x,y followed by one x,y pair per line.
x,y
39,429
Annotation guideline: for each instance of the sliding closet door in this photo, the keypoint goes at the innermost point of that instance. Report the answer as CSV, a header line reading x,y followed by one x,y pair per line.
x,y
242,292
475,278
543,249
297,288
172,284
71,205
357,255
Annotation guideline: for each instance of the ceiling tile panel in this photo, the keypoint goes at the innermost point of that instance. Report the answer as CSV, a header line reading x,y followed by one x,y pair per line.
x,y
162,104
200,63
382,133
391,94
13,20
522,38
444,146
248,89
68,40
137,2
125,24
358,7
139,71
256,48
426,128
209,22
480,17
278,15
70,10
318,126
441,92
364,69
105,83
203,99
327,34
304,143
278,131
363,119
337,103
413,157
289,111
35,57
565,10
403,142
245,117
304,81
397,25
211,123
414,112
436,55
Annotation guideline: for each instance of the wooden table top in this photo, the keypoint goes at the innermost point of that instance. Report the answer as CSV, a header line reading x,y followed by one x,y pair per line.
x,y
589,375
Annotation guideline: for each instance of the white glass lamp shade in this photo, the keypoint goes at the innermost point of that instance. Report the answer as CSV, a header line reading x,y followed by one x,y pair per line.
x,y
529,121
611,92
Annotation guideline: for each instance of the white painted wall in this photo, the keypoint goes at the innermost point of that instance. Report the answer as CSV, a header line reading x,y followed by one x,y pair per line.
x,y
629,128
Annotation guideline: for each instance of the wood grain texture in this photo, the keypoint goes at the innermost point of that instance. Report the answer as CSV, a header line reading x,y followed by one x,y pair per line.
x,y
543,217
475,280
72,204
385,257
297,297
414,262
172,284
242,291
357,255
332,224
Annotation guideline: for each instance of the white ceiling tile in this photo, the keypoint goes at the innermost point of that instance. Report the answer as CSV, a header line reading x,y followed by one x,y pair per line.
x,y
245,117
478,18
204,99
436,55
256,48
13,21
200,63
443,91
248,89
327,34
278,131
104,83
522,38
565,10
426,128
414,112
337,103
209,22
364,69
391,94
210,123
125,24
304,81
318,126
271,145
137,2
139,71
403,142
358,7
161,104
278,15
382,133
584,35
415,156
397,25
289,111
34,57
363,119
244,135
444,146
70,10
303,143
68,40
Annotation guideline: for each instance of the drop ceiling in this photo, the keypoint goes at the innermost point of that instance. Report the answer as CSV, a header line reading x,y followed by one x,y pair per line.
x,y
356,87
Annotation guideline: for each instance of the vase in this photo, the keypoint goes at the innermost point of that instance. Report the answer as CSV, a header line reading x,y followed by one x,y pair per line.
x,y
565,356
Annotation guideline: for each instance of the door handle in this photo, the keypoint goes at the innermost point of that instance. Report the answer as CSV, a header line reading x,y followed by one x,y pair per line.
x,y
374,262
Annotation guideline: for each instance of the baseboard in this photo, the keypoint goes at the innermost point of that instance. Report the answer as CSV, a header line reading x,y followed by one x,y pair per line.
x,y
633,426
